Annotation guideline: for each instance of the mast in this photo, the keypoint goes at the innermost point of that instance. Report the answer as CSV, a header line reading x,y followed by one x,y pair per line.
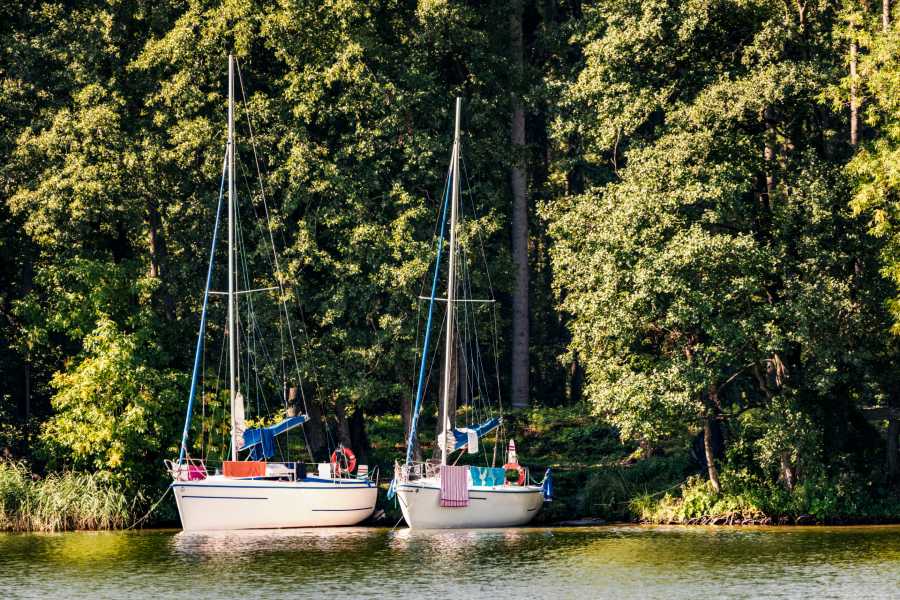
x,y
451,283
232,334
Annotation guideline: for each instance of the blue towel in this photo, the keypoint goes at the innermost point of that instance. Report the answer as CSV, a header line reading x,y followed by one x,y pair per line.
x,y
489,476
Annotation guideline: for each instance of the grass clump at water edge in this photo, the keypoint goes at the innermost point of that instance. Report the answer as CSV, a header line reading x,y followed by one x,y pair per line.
x,y
59,501
698,504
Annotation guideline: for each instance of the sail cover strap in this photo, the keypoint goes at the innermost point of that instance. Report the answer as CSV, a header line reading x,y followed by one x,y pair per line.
x,y
261,440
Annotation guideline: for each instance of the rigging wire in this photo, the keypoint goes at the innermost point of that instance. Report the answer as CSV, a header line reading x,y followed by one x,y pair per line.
x,y
500,438
278,274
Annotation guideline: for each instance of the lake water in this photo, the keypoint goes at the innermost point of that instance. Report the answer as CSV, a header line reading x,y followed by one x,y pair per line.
x,y
584,563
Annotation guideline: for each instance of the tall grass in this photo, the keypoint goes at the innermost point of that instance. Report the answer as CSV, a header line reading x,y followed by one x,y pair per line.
x,y
58,502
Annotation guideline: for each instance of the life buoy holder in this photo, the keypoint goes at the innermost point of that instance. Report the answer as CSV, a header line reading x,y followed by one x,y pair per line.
x,y
515,467
348,455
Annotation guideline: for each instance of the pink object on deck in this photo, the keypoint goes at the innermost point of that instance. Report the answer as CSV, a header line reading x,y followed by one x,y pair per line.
x,y
454,486
196,473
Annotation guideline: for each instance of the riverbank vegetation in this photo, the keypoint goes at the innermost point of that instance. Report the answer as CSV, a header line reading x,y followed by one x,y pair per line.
x,y
60,501
689,208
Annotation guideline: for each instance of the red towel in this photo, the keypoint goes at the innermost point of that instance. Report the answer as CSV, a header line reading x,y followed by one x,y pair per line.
x,y
454,486
244,468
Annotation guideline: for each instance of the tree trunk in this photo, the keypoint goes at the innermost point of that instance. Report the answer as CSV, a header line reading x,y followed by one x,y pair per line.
x,y
343,424
787,472
27,428
854,99
358,436
157,249
576,381
885,15
27,283
769,153
892,432
518,178
711,469
153,243
315,432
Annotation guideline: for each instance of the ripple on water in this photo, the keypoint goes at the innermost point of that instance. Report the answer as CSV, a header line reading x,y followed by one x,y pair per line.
x,y
597,562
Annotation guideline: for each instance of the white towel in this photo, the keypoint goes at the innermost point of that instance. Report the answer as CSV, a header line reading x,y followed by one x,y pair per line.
x,y
472,443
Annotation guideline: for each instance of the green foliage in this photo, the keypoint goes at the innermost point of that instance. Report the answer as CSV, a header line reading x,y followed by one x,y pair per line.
x,y
744,499
700,245
875,168
59,502
113,412
610,491
564,436
712,268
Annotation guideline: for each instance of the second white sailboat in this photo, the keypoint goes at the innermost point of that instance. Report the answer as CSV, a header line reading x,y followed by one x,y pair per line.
x,y
437,495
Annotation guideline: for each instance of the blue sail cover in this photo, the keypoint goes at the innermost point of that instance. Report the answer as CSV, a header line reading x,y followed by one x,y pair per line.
x,y
462,438
261,440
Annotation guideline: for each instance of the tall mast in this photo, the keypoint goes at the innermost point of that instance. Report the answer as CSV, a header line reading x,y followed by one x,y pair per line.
x,y
232,334
451,284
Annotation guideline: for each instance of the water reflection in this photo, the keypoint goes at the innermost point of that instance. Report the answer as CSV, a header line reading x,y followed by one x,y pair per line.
x,y
258,542
602,562
457,540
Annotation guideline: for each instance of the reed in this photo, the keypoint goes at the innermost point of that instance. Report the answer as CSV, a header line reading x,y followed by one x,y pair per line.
x,y
59,502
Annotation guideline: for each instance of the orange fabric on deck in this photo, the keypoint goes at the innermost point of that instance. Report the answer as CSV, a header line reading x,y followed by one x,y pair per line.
x,y
244,468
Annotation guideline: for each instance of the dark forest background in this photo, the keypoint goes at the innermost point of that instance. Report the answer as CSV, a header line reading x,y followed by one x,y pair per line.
x,y
689,209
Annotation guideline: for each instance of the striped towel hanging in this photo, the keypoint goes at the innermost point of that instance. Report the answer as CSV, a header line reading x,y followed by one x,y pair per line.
x,y
454,486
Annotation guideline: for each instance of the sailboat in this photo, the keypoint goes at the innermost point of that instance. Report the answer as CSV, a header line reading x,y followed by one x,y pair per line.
x,y
437,494
255,492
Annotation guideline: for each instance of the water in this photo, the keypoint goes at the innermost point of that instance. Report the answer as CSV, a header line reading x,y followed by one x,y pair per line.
x,y
585,563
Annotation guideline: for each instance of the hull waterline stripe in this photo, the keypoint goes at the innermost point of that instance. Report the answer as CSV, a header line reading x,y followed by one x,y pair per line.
x,y
274,487
228,497
341,509
408,488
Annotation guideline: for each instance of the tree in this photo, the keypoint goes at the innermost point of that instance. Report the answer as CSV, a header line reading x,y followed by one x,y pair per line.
x,y
710,268
114,413
876,166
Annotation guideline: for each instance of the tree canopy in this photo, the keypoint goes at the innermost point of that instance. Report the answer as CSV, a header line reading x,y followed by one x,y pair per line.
x,y
711,189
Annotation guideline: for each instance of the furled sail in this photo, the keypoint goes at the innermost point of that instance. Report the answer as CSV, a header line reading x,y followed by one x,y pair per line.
x,y
239,427
459,437
260,441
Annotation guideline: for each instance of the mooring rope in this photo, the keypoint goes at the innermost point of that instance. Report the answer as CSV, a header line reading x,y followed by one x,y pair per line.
x,y
152,508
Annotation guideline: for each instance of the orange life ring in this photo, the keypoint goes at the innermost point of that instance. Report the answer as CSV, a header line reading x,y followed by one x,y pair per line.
x,y
516,467
348,454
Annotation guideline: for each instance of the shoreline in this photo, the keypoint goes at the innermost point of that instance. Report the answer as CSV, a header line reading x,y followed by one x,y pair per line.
x,y
563,525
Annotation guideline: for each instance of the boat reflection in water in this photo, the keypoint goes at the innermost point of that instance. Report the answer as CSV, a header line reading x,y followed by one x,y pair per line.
x,y
470,546
326,540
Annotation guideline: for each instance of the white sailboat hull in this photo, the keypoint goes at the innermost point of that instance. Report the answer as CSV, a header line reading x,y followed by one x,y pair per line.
x,y
225,503
500,506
